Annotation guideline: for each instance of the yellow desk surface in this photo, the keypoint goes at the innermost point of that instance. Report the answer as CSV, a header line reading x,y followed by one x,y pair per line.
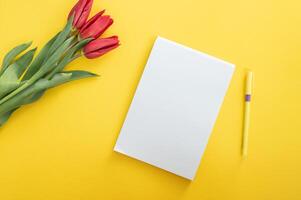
x,y
60,148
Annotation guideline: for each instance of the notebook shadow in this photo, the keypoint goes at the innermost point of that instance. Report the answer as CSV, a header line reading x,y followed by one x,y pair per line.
x,y
143,172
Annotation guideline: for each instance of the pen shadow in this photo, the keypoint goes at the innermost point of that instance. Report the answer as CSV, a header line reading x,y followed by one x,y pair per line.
x,y
243,97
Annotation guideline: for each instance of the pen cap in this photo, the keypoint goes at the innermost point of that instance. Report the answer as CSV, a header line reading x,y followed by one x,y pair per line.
x,y
249,82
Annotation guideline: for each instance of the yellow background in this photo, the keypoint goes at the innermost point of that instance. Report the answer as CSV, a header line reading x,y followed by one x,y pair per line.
x,y
61,147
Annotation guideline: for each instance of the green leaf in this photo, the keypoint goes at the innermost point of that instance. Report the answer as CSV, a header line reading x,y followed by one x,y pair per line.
x,y
33,97
22,63
6,116
38,61
48,66
79,45
35,91
68,57
73,75
53,60
61,37
12,54
16,101
10,78
63,77
58,79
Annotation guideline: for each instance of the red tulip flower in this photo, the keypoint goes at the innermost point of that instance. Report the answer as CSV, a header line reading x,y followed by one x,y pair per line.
x,y
100,46
96,26
81,12
79,36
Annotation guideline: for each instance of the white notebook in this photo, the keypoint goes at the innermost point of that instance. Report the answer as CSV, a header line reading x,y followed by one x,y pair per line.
x,y
174,108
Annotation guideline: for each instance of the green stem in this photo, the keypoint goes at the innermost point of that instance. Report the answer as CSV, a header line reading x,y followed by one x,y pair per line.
x,y
21,88
12,103
44,69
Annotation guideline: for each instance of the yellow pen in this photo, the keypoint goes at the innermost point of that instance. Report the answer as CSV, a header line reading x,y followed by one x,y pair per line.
x,y
249,85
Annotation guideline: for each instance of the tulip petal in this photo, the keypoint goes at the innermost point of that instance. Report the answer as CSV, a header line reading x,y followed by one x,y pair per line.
x,y
96,28
78,10
100,52
81,12
84,14
101,43
93,19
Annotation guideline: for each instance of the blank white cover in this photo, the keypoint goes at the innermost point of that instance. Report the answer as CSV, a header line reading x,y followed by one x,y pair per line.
x,y
175,107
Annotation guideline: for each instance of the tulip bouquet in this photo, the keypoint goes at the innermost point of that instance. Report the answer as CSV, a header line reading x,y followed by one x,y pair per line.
x,y
24,79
